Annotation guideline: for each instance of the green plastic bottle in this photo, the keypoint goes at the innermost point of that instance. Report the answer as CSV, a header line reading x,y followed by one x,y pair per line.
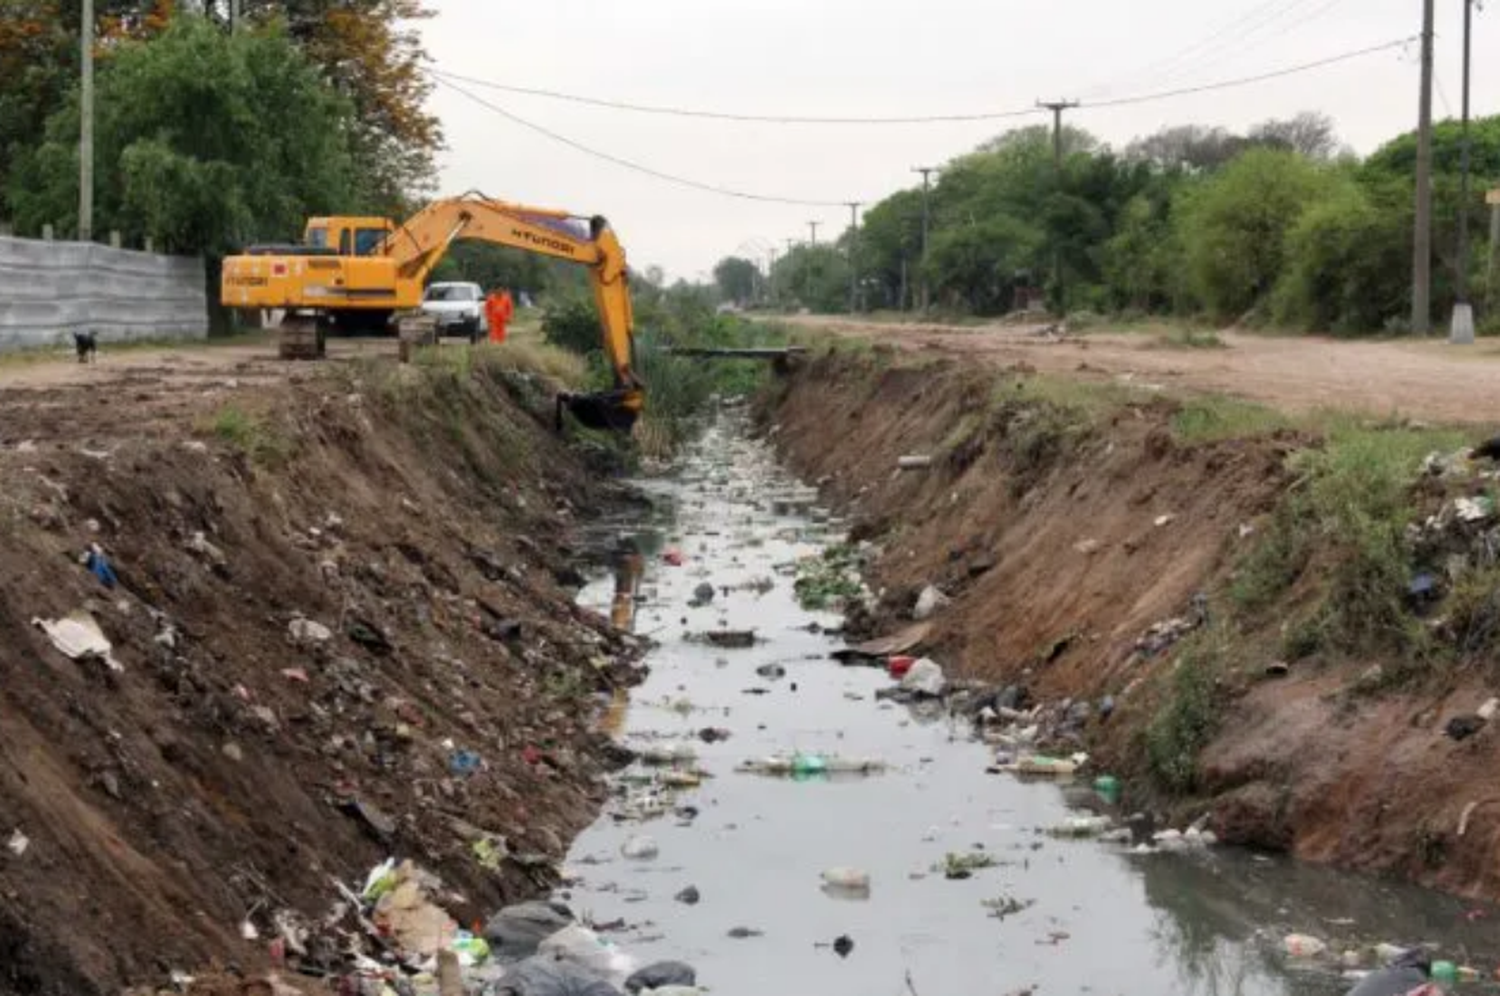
x,y
809,764
1108,787
1445,972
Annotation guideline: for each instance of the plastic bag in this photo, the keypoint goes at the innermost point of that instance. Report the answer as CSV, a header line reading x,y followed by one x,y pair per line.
x,y
543,976
515,931
661,975
583,948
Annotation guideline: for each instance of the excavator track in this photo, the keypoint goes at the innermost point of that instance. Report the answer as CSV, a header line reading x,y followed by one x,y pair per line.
x,y
301,337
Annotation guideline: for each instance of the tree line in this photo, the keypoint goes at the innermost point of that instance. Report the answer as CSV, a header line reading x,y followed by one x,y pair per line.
x,y
207,139
1282,225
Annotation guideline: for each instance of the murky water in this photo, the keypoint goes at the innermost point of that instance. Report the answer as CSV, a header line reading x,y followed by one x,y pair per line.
x,y
1102,921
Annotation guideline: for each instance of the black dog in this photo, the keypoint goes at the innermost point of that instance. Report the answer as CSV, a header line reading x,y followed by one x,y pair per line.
x,y
87,344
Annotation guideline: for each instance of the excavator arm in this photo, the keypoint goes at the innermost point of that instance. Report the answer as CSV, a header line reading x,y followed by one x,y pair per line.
x,y
420,244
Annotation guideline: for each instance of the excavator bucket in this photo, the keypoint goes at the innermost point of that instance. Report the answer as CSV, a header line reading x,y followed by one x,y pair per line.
x,y
606,410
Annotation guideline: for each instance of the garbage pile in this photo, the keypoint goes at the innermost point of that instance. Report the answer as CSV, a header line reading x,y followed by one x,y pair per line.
x,y
1396,971
1463,534
394,938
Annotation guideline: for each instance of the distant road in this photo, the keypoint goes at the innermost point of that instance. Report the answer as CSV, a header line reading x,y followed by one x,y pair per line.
x,y
1425,379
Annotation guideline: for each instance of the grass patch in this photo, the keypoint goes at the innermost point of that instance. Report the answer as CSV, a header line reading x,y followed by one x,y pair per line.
x,y
1215,418
1191,715
1346,517
1189,338
252,435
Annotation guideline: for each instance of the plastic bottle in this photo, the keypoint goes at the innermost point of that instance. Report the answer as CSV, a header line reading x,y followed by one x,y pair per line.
x,y
1445,972
1108,787
809,764
899,666
1468,973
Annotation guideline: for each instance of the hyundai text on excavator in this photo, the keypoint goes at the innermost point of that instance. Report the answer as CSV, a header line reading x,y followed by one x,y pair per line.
x,y
356,274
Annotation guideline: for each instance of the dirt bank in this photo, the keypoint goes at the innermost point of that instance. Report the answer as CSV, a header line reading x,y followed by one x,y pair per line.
x,y
1096,544
441,692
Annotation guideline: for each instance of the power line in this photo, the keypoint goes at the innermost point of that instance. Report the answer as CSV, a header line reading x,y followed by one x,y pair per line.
x,y
632,165
447,79
1173,64
689,112
1249,80
441,79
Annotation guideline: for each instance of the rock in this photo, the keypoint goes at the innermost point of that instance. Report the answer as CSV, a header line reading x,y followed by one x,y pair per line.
x,y
703,594
1087,547
233,752
640,848
306,631
741,933
1463,727
1487,711
981,564
925,678
843,945
928,603
689,897
771,671
660,975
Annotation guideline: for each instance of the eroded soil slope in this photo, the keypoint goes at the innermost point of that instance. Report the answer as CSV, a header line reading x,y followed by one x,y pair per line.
x,y
1084,552
439,695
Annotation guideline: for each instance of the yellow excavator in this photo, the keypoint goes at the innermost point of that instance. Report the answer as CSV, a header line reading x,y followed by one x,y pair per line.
x,y
358,275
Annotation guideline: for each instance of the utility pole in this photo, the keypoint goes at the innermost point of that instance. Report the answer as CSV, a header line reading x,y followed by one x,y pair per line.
x,y
1461,331
234,16
853,257
1057,107
926,172
813,227
807,280
1421,278
86,129
1493,199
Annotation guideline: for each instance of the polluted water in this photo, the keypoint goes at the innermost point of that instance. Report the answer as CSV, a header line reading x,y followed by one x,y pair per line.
x,y
829,877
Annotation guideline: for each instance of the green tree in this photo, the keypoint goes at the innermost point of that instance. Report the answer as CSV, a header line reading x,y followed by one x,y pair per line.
x,y
1348,260
1233,227
816,277
205,142
890,248
736,279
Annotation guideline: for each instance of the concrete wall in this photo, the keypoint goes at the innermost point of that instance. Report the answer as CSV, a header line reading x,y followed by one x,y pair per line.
x,y
48,290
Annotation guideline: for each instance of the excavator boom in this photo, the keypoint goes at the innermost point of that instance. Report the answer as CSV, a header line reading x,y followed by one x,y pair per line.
x,y
357,272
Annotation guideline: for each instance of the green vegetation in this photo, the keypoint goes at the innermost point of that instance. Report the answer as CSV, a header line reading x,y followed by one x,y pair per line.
x,y
1279,225
829,579
253,435
1190,717
206,140
678,388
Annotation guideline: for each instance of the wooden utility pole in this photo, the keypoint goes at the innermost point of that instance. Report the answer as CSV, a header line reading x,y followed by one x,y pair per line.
x,y
86,128
1421,278
853,257
926,172
1461,331
1057,107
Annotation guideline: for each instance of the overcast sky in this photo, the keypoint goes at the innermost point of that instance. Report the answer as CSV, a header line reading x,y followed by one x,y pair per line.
x,y
883,58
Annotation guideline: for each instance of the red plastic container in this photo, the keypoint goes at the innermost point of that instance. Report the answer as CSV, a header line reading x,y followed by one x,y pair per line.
x,y
899,666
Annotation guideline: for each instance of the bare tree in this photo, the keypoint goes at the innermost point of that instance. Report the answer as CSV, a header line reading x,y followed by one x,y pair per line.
x,y
1310,133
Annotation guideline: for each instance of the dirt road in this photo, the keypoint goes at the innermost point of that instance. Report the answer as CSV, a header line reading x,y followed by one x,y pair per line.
x,y
1420,379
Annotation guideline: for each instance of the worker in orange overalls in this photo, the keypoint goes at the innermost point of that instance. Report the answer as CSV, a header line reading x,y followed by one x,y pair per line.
x,y
498,309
